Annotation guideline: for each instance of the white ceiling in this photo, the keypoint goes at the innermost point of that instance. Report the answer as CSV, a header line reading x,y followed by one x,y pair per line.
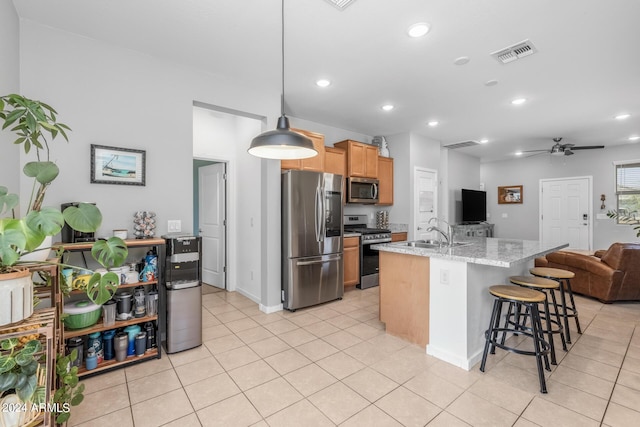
x,y
586,70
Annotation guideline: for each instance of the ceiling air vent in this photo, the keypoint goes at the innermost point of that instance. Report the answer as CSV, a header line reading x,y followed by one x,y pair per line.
x,y
461,144
341,4
516,51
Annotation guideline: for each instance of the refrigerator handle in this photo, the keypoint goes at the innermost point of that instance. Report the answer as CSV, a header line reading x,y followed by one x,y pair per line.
x,y
318,215
323,212
320,260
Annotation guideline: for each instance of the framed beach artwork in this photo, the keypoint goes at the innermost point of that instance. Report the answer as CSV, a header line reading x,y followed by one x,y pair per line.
x,y
510,195
114,165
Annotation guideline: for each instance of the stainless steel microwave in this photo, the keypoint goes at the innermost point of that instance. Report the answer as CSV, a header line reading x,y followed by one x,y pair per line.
x,y
362,190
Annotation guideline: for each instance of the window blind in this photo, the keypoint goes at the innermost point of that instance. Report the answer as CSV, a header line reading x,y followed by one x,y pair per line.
x,y
628,178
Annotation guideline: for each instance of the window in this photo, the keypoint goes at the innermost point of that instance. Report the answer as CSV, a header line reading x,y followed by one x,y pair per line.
x,y
628,192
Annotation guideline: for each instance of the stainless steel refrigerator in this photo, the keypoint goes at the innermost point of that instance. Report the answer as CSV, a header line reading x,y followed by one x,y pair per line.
x,y
312,264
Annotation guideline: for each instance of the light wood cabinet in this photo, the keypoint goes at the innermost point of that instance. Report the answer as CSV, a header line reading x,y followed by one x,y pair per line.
x,y
351,257
385,176
315,163
335,161
399,237
362,159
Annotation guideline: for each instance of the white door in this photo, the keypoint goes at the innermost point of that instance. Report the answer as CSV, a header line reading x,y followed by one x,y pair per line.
x,y
565,211
212,222
425,186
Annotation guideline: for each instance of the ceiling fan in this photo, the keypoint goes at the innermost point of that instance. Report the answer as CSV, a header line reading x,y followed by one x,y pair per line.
x,y
564,149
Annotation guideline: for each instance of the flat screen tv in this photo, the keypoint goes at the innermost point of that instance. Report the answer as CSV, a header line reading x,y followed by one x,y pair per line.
x,y
474,206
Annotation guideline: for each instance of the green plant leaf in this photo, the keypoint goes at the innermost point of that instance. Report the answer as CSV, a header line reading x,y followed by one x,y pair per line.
x,y
12,241
43,172
47,222
23,359
8,200
63,417
110,253
77,399
25,392
40,395
7,363
9,343
20,381
30,368
32,347
85,217
8,380
102,288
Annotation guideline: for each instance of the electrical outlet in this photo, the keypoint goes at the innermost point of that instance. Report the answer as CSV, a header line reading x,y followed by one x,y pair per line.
x,y
444,277
174,225
504,215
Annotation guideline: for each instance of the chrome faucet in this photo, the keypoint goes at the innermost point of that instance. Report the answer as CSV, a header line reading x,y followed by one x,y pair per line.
x,y
448,235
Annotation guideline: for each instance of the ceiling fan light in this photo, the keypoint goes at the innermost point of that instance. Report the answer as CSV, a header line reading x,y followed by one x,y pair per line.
x,y
282,143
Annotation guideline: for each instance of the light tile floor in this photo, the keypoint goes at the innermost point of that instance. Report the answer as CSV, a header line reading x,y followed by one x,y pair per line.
x,y
334,365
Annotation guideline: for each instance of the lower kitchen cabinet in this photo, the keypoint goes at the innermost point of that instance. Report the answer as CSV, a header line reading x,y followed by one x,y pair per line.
x,y
399,237
351,257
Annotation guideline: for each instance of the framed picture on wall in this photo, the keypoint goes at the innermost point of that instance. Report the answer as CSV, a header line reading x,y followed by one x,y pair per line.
x,y
509,195
114,165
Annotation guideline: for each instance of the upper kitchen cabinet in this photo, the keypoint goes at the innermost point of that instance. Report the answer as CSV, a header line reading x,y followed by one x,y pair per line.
x,y
335,161
362,159
315,163
385,178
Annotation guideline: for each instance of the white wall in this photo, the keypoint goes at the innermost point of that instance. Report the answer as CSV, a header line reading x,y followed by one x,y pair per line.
x,y
522,220
118,97
9,83
463,172
223,136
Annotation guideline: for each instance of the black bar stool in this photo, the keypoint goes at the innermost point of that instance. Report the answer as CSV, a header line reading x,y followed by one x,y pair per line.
x,y
563,277
547,287
526,302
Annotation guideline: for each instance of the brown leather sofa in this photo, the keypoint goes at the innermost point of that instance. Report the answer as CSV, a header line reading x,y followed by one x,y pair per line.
x,y
609,275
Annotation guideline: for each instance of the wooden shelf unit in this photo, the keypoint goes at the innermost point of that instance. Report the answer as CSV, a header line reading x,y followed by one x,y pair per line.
x,y
159,318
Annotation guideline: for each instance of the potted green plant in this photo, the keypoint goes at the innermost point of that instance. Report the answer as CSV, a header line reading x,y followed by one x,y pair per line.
x,y
33,122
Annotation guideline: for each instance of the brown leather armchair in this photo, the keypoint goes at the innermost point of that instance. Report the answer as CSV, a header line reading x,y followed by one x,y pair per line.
x,y
610,275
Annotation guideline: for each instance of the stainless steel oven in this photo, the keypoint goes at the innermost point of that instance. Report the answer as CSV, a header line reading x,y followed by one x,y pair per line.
x,y
369,258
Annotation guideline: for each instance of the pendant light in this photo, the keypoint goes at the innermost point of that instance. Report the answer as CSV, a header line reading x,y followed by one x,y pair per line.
x,y
282,143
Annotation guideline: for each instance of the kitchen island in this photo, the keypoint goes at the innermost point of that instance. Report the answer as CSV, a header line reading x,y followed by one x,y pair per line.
x,y
438,297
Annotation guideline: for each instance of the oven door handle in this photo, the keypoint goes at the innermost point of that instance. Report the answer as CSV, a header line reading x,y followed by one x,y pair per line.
x,y
320,260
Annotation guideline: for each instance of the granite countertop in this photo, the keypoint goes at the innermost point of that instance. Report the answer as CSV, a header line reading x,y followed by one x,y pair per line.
x,y
351,235
487,251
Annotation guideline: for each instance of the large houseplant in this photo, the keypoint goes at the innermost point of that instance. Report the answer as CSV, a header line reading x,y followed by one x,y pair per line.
x,y
33,122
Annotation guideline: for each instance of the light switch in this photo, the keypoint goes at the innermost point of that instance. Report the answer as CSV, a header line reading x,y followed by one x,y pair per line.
x,y
174,225
505,215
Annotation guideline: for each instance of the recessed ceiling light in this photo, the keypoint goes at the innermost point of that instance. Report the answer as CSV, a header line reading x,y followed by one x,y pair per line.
x,y
519,101
491,82
418,30
634,138
623,116
323,82
483,141
387,107
433,123
518,153
462,60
